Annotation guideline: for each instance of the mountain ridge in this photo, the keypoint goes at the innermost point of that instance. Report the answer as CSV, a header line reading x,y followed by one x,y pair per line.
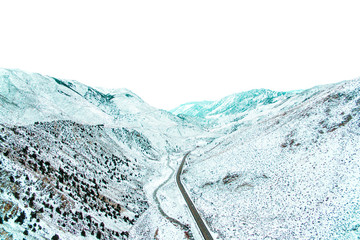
x,y
229,104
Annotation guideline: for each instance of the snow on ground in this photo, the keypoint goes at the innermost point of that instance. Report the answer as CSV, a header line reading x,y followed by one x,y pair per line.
x,y
294,176
153,224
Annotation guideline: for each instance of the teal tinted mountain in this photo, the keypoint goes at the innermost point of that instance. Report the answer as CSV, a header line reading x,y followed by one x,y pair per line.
x,y
233,104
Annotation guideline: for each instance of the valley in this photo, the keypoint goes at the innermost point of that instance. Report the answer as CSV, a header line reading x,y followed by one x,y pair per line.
x,y
78,162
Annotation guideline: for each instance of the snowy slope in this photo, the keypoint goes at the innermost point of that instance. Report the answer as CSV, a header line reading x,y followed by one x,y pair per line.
x,y
71,180
26,98
195,109
80,162
292,175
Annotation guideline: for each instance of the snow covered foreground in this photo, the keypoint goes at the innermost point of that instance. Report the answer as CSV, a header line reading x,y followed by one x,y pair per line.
x,y
83,163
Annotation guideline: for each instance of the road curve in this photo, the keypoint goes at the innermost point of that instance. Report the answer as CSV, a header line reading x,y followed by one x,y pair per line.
x,y
174,221
203,229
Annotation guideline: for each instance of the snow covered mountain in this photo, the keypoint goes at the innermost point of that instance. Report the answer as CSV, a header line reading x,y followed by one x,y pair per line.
x,y
291,174
225,113
233,104
26,98
77,162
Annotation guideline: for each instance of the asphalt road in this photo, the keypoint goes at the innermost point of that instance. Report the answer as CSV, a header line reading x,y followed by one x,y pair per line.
x,y
203,229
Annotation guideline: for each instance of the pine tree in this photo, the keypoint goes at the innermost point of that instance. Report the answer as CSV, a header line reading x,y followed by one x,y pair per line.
x,y
98,235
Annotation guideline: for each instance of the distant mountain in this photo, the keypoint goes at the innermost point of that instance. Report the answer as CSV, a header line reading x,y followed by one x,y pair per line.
x,y
195,109
233,104
230,112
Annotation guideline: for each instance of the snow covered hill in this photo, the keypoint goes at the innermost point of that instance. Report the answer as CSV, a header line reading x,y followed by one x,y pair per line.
x,y
75,160
26,98
293,173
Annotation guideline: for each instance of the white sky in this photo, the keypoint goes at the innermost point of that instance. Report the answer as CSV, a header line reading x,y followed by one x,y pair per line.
x,y
171,52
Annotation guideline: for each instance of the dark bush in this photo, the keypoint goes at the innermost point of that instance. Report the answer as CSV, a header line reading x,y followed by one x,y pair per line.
x,y
58,210
12,179
125,234
55,237
21,218
16,195
98,235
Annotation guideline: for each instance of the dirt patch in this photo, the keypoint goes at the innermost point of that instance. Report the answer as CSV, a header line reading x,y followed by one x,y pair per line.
x,y
5,235
8,208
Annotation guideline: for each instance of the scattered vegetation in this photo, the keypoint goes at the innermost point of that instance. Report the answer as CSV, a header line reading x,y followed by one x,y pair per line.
x,y
66,174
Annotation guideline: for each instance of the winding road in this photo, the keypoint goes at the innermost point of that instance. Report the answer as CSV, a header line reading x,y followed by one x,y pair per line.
x,y
174,221
202,227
